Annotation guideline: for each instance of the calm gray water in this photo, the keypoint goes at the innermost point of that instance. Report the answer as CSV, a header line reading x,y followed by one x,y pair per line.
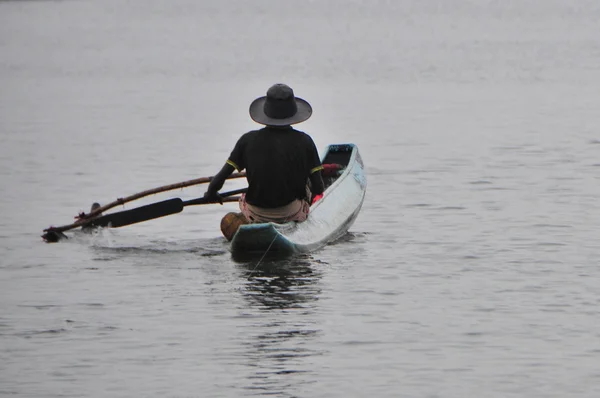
x,y
472,270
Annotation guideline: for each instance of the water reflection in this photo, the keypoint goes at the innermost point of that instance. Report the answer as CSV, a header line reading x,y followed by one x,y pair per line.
x,y
277,283
282,296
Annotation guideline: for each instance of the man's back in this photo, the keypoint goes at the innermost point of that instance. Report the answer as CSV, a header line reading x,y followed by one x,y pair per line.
x,y
278,163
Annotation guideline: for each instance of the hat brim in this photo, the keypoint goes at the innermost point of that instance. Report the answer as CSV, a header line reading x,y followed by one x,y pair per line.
x,y
257,113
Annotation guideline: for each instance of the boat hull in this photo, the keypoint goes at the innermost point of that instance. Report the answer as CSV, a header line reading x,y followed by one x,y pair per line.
x,y
329,218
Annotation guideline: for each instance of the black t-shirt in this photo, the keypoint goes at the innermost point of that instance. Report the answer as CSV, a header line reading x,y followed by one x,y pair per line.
x,y
278,163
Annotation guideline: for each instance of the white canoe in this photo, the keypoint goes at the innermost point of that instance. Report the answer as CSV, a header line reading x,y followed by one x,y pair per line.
x,y
329,218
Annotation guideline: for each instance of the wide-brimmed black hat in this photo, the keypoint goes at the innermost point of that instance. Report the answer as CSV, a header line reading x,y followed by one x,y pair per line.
x,y
280,107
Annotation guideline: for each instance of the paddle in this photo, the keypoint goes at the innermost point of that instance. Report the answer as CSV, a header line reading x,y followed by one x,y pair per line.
x,y
120,201
155,210
139,214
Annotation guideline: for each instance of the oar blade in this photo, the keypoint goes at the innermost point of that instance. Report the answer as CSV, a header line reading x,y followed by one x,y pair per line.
x,y
139,214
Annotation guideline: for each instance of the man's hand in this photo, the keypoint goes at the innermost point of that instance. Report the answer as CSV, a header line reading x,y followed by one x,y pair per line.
x,y
213,197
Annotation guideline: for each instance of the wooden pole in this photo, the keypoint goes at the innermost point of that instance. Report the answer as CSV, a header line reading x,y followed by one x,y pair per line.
x,y
50,234
170,187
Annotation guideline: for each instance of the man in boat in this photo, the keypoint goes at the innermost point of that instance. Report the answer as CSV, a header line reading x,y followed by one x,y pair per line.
x,y
282,164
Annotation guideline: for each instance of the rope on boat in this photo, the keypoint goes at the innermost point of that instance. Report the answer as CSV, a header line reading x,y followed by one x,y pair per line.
x,y
263,256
